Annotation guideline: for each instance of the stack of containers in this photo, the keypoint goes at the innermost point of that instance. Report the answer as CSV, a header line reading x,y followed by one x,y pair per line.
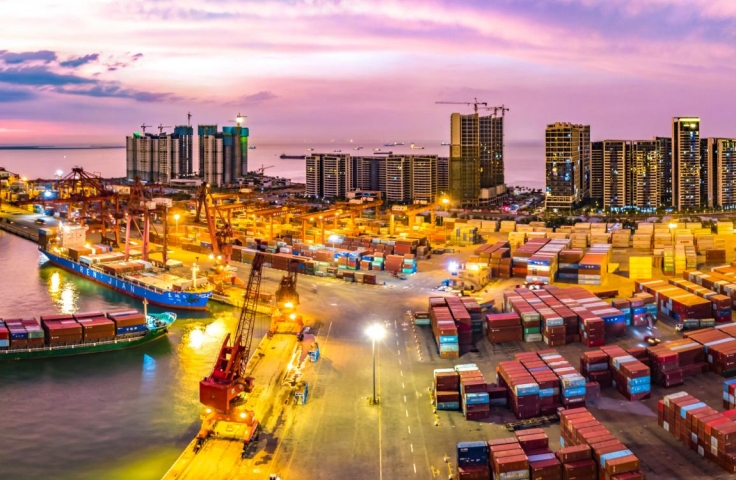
x,y
530,318
475,399
572,384
630,376
549,383
594,367
472,459
724,228
700,427
523,390
642,241
543,464
592,269
61,332
640,267
715,255
579,427
624,305
569,264
409,264
673,301
669,361
4,336
592,330
17,333
127,323
523,253
446,389
445,332
729,394
504,327
577,463
508,460
476,314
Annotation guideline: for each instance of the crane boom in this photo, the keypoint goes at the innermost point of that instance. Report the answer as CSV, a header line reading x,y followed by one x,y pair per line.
x,y
474,103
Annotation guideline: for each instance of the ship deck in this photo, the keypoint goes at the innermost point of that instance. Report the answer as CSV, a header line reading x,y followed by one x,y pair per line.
x,y
221,458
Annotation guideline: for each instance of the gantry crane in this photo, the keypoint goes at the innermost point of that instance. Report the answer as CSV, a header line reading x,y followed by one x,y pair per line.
x,y
474,103
221,391
287,299
222,237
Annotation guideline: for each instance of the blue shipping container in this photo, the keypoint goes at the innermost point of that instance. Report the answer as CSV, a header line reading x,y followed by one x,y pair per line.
x,y
130,329
19,335
448,339
634,389
614,455
476,398
546,392
4,343
448,406
573,392
639,381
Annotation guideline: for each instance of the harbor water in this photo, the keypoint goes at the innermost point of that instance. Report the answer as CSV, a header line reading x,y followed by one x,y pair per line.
x,y
118,415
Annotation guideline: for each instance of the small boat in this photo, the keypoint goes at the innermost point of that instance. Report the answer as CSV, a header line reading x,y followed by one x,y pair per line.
x,y
292,157
310,149
381,152
358,148
252,147
416,147
445,143
336,151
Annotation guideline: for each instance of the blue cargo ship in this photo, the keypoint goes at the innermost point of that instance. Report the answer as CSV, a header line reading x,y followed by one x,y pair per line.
x,y
165,297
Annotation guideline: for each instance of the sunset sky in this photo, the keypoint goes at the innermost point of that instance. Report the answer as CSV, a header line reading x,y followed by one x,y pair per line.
x,y
95,70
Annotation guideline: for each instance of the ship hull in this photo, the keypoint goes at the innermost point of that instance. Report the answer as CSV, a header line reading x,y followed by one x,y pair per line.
x,y
168,299
82,348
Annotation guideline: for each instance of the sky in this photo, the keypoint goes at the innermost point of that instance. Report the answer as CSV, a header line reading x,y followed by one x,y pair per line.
x,y
315,70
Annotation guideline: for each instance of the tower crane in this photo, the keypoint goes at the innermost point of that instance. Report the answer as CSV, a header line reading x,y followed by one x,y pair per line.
x,y
239,119
189,119
502,108
221,391
474,103
144,127
161,127
260,171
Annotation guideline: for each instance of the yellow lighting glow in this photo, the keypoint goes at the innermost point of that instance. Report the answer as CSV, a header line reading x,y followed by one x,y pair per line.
x,y
196,338
375,332
288,305
292,316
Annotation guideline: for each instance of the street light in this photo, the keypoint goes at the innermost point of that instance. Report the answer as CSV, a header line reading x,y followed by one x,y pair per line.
x,y
375,332
176,219
333,240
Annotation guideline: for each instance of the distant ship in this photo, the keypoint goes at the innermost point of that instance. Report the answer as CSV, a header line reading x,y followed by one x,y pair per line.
x,y
310,149
252,147
393,144
336,151
358,148
378,151
292,157
445,143
416,147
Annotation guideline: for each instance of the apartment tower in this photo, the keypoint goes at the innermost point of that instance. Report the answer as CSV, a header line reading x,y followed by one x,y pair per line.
x,y
567,159
686,162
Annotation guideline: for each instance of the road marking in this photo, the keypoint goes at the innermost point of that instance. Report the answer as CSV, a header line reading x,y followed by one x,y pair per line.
x,y
415,468
404,398
407,413
397,342
395,325
399,361
402,385
401,372
408,428
399,351
411,445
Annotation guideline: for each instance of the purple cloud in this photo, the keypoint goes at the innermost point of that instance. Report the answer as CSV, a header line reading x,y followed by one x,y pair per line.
x,y
10,58
75,62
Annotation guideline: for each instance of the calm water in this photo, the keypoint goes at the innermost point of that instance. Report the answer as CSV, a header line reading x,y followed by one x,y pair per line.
x,y
524,161
121,415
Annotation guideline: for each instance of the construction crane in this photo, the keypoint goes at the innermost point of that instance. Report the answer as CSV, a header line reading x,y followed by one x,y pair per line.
x,y
144,127
189,119
161,127
474,103
221,392
260,171
502,108
239,119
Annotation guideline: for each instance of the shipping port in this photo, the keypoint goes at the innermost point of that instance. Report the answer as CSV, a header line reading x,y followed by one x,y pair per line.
x,y
608,280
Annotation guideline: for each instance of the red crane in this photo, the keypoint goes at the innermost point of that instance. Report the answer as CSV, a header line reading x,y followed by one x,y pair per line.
x,y
222,237
221,390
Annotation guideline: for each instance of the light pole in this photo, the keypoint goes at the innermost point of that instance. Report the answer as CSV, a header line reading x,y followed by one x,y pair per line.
x,y
375,332
176,219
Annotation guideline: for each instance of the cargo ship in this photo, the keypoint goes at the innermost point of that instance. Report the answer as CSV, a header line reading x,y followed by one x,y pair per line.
x,y
81,333
136,278
292,157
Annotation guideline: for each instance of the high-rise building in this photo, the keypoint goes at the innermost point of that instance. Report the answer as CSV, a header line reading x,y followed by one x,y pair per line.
x,y
314,185
491,155
223,156
686,162
443,176
720,156
644,175
398,178
664,149
329,175
185,134
567,154
155,158
616,158
424,178
464,159
596,172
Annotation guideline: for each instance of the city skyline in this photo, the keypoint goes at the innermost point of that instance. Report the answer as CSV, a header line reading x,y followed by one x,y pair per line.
x,y
317,70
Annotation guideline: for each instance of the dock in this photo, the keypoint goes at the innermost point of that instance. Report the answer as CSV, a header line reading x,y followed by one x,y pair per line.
x,y
272,403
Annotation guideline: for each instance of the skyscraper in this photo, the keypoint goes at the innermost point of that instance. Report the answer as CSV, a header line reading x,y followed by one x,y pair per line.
x,y
685,162
567,154
596,172
223,156
720,156
491,152
424,178
616,158
664,150
398,178
464,159
155,158
644,184
185,134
